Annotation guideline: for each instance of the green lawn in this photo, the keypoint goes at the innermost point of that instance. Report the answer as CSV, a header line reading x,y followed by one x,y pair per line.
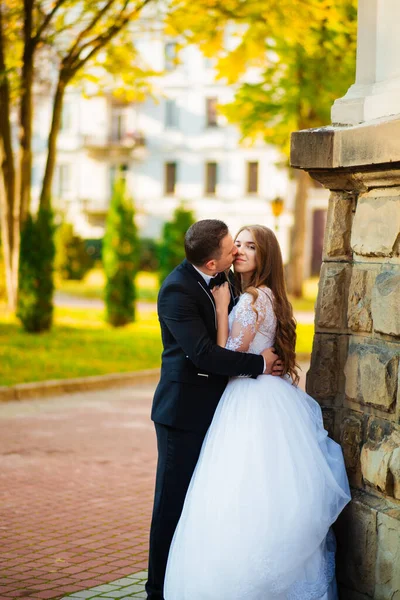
x,y
82,344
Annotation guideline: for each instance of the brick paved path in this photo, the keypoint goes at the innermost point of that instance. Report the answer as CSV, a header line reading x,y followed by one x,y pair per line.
x,y
76,490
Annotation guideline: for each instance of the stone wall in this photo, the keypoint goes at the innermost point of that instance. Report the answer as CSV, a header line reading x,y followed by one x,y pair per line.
x,y
354,370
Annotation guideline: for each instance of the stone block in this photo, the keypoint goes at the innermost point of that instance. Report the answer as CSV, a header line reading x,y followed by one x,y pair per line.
x,y
337,148
386,301
323,376
380,464
378,430
338,226
346,594
394,467
357,548
352,375
359,316
330,309
378,382
376,224
351,439
371,373
328,415
388,558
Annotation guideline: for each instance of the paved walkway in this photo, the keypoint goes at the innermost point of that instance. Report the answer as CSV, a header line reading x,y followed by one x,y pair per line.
x,y
76,491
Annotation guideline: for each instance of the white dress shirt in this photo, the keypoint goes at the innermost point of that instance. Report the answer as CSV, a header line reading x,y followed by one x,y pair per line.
x,y
207,278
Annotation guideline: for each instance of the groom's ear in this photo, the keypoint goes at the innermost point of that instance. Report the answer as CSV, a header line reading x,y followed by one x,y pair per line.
x,y
210,265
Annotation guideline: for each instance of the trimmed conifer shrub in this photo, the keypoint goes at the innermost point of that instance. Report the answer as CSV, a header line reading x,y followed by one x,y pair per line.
x,y
148,260
72,260
171,250
120,257
36,287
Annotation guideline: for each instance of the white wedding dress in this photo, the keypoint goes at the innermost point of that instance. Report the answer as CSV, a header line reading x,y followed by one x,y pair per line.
x,y
267,487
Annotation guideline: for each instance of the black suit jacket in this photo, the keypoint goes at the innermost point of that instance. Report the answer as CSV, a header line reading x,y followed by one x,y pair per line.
x,y
194,370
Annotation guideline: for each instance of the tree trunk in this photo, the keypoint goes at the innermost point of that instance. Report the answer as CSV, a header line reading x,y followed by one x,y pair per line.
x,y
298,236
9,197
45,196
10,237
26,112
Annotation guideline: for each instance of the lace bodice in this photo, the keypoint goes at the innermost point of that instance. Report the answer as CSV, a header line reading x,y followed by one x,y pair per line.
x,y
247,331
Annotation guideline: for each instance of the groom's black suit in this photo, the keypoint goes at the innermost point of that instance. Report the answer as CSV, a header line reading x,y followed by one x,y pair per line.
x,y
194,373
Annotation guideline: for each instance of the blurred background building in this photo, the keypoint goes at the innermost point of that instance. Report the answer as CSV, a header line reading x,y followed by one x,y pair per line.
x,y
174,147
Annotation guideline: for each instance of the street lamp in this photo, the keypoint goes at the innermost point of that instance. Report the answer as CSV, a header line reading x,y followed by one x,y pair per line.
x,y
277,205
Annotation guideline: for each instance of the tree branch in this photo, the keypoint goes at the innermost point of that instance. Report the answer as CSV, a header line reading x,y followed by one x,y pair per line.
x,y
92,24
76,63
47,20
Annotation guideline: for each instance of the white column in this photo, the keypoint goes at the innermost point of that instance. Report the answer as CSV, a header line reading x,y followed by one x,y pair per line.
x,y
376,91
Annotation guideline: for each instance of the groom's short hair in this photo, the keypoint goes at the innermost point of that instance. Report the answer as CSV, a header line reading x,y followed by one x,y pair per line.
x,y
203,241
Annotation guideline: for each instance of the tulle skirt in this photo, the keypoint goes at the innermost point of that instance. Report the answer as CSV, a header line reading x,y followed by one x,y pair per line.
x,y
268,485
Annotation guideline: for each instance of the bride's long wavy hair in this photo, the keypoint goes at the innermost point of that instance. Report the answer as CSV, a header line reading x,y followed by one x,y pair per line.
x,y
269,272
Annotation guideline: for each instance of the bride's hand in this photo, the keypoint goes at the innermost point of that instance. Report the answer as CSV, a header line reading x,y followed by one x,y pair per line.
x,y
222,296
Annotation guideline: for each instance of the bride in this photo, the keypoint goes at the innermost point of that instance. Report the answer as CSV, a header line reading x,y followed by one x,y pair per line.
x,y
269,483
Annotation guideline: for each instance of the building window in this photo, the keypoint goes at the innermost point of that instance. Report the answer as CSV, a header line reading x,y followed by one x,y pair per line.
x,y
118,126
170,178
211,112
252,178
170,56
211,178
66,118
171,114
63,180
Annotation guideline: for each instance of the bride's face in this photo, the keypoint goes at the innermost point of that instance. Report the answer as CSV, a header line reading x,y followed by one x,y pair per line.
x,y
245,259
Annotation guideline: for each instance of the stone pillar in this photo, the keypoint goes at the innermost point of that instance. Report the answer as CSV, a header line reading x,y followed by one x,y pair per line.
x,y
376,91
355,372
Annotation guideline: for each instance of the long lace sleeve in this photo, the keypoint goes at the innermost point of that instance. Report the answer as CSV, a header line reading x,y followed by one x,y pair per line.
x,y
246,321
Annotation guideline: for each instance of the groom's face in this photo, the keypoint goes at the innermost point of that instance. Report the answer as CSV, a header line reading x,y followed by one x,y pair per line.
x,y
228,253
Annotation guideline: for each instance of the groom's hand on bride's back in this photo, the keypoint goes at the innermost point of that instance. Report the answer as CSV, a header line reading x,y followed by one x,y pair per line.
x,y
273,364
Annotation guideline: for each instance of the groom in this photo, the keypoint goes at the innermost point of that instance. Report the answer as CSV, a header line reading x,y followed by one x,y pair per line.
x,y
194,373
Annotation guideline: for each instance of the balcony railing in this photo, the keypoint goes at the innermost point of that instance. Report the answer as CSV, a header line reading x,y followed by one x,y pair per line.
x,y
97,206
127,141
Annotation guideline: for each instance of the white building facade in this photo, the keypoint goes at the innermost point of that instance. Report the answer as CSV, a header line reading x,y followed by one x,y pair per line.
x,y
173,148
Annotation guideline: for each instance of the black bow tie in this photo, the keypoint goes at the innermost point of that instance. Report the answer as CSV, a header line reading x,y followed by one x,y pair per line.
x,y
217,280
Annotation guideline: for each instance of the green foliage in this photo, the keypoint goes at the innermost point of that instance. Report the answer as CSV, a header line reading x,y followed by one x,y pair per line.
x,y
35,294
120,258
72,260
171,248
118,70
148,255
80,344
93,248
296,91
74,29
303,54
